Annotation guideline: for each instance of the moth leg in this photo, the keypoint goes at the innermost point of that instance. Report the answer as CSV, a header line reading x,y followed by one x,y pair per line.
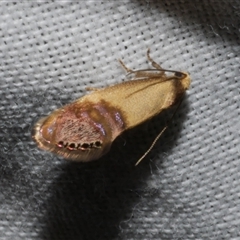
x,y
91,89
154,64
128,70
144,73
136,73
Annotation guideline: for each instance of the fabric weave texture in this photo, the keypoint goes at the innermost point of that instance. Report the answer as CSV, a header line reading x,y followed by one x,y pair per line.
x,y
188,187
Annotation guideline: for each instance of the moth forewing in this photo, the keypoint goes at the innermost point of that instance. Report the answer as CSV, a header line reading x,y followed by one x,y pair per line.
x,y
85,129
140,100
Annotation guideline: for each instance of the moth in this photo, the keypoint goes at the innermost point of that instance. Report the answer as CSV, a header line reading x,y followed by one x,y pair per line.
x,y
85,129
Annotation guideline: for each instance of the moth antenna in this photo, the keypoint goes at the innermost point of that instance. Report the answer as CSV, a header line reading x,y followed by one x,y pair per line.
x,y
92,89
152,145
158,136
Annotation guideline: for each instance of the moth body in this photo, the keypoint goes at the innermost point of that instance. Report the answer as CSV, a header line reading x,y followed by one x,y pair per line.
x,y
85,129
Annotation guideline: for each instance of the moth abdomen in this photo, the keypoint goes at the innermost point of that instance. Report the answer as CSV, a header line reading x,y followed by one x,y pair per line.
x,y
81,131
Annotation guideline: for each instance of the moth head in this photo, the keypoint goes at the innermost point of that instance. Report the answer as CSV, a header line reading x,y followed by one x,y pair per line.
x,y
80,134
184,78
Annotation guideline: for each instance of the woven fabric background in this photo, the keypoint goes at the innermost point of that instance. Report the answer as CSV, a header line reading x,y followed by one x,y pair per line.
x,y
188,187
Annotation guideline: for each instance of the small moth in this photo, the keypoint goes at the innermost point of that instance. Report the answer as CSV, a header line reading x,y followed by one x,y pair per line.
x,y
85,129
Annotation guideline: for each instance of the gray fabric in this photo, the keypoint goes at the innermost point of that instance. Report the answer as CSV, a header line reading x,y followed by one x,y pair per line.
x,y
188,187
